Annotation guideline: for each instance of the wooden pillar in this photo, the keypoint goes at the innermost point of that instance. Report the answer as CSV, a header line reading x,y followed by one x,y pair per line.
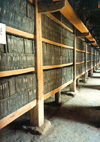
x,y
73,85
91,71
96,61
57,97
85,76
37,113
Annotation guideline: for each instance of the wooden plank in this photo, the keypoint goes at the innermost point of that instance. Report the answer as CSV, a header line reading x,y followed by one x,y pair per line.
x,y
11,117
16,72
81,39
80,62
73,85
82,34
56,66
80,50
59,22
80,75
55,43
37,114
70,14
17,32
86,59
46,96
98,3
50,6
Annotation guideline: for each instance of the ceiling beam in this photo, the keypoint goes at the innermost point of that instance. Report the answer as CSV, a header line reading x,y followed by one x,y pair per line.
x,y
51,5
78,34
70,14
98,3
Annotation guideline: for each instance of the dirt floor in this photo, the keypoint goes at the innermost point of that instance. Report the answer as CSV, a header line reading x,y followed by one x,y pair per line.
x,y
77,120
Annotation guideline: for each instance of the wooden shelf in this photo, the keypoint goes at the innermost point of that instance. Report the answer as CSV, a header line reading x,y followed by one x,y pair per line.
x,y
16,72
17,32
80,50
80,75
80,62
59,22
56,66
11,117
46,96
55,43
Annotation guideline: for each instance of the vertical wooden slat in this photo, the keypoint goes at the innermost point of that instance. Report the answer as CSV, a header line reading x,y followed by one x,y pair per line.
x,y
37,114
73,85
84,77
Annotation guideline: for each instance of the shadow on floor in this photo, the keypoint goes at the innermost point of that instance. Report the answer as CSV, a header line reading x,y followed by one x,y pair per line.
x,y
97,77
86,115
91,86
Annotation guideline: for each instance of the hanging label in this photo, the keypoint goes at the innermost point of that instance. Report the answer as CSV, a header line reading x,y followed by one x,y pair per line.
x,y
2,33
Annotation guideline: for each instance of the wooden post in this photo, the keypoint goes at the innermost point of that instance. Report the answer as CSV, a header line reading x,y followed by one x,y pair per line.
x,y
96,61
73,85
58,94
37,114
84,77
57,97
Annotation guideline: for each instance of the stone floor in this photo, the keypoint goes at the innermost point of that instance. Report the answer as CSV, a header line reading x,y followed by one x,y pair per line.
x,y
77,120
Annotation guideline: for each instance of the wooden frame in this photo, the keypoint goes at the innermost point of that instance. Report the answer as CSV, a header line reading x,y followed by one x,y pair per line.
x,y
37,113
16,72
37,106
20,33
56,66
55,43
80,62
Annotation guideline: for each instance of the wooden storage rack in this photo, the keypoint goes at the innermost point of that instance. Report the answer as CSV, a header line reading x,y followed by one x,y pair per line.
x,y
39,70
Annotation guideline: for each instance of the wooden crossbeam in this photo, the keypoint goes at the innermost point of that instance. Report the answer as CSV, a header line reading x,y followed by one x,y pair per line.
x,y
82,34
37,114
16,72
70,14
98,3
51,5
20,33
56,66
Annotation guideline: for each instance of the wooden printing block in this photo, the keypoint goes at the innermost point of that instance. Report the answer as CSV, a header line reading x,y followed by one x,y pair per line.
x,y
28,46
25,97
18,81
12,103
5,88
19,100
3,62
20,45
30,10
16,60
12,86
10,44
3,108
1,91
22,6
31,95
2,48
